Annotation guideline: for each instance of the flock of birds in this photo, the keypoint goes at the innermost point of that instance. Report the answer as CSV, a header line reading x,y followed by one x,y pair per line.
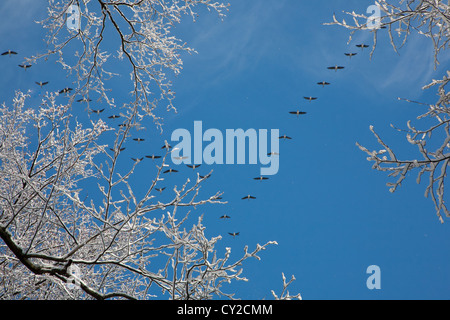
x,y
298,113
168,147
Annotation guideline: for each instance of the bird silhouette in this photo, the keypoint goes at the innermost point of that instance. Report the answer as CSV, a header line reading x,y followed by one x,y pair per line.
x,y
205,177
362,46
170,171
84,100
350,55
114,116
193,166
261,178
166,146
137,159
65,90
285,137
25,66
310,98
121,149
153,157
8,53
336,68
248,197
225,217
297,112
323,83
138,139
233,234
97,111
41,84
160,189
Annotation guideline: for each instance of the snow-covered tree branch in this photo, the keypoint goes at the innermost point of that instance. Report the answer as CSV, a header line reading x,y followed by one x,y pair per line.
x,y
429,18
61,240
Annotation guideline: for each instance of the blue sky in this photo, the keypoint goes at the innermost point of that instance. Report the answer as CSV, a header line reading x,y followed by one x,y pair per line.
x,y
331,214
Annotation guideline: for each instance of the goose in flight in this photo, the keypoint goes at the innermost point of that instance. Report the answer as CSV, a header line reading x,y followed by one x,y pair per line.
x,y
137,159
114,116
335,68
121,149
160,189
297,112
153,157
84,100
65,90
233,234
166,146
25,66
310,98
138,139
362,46
170,171
205,177
261,178
285,137
8,53
350,55
193,166
40,83
97,111
248,197
225,217
323,83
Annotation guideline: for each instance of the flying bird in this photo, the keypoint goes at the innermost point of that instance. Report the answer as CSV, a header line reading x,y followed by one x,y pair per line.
x,y
41,84
336,68
65,90
285,137
248,197
84,100
225,217
153,157
170,171
8,53
97,111
160,189
297,112
310,98
25,66
323,83
205,177
261,178
138,139
233,234
166,146
121,149
138,159
350,54
362,46
273,154
114,116
193,166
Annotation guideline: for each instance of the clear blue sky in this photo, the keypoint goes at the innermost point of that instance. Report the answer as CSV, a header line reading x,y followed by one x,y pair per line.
x,y
331,214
